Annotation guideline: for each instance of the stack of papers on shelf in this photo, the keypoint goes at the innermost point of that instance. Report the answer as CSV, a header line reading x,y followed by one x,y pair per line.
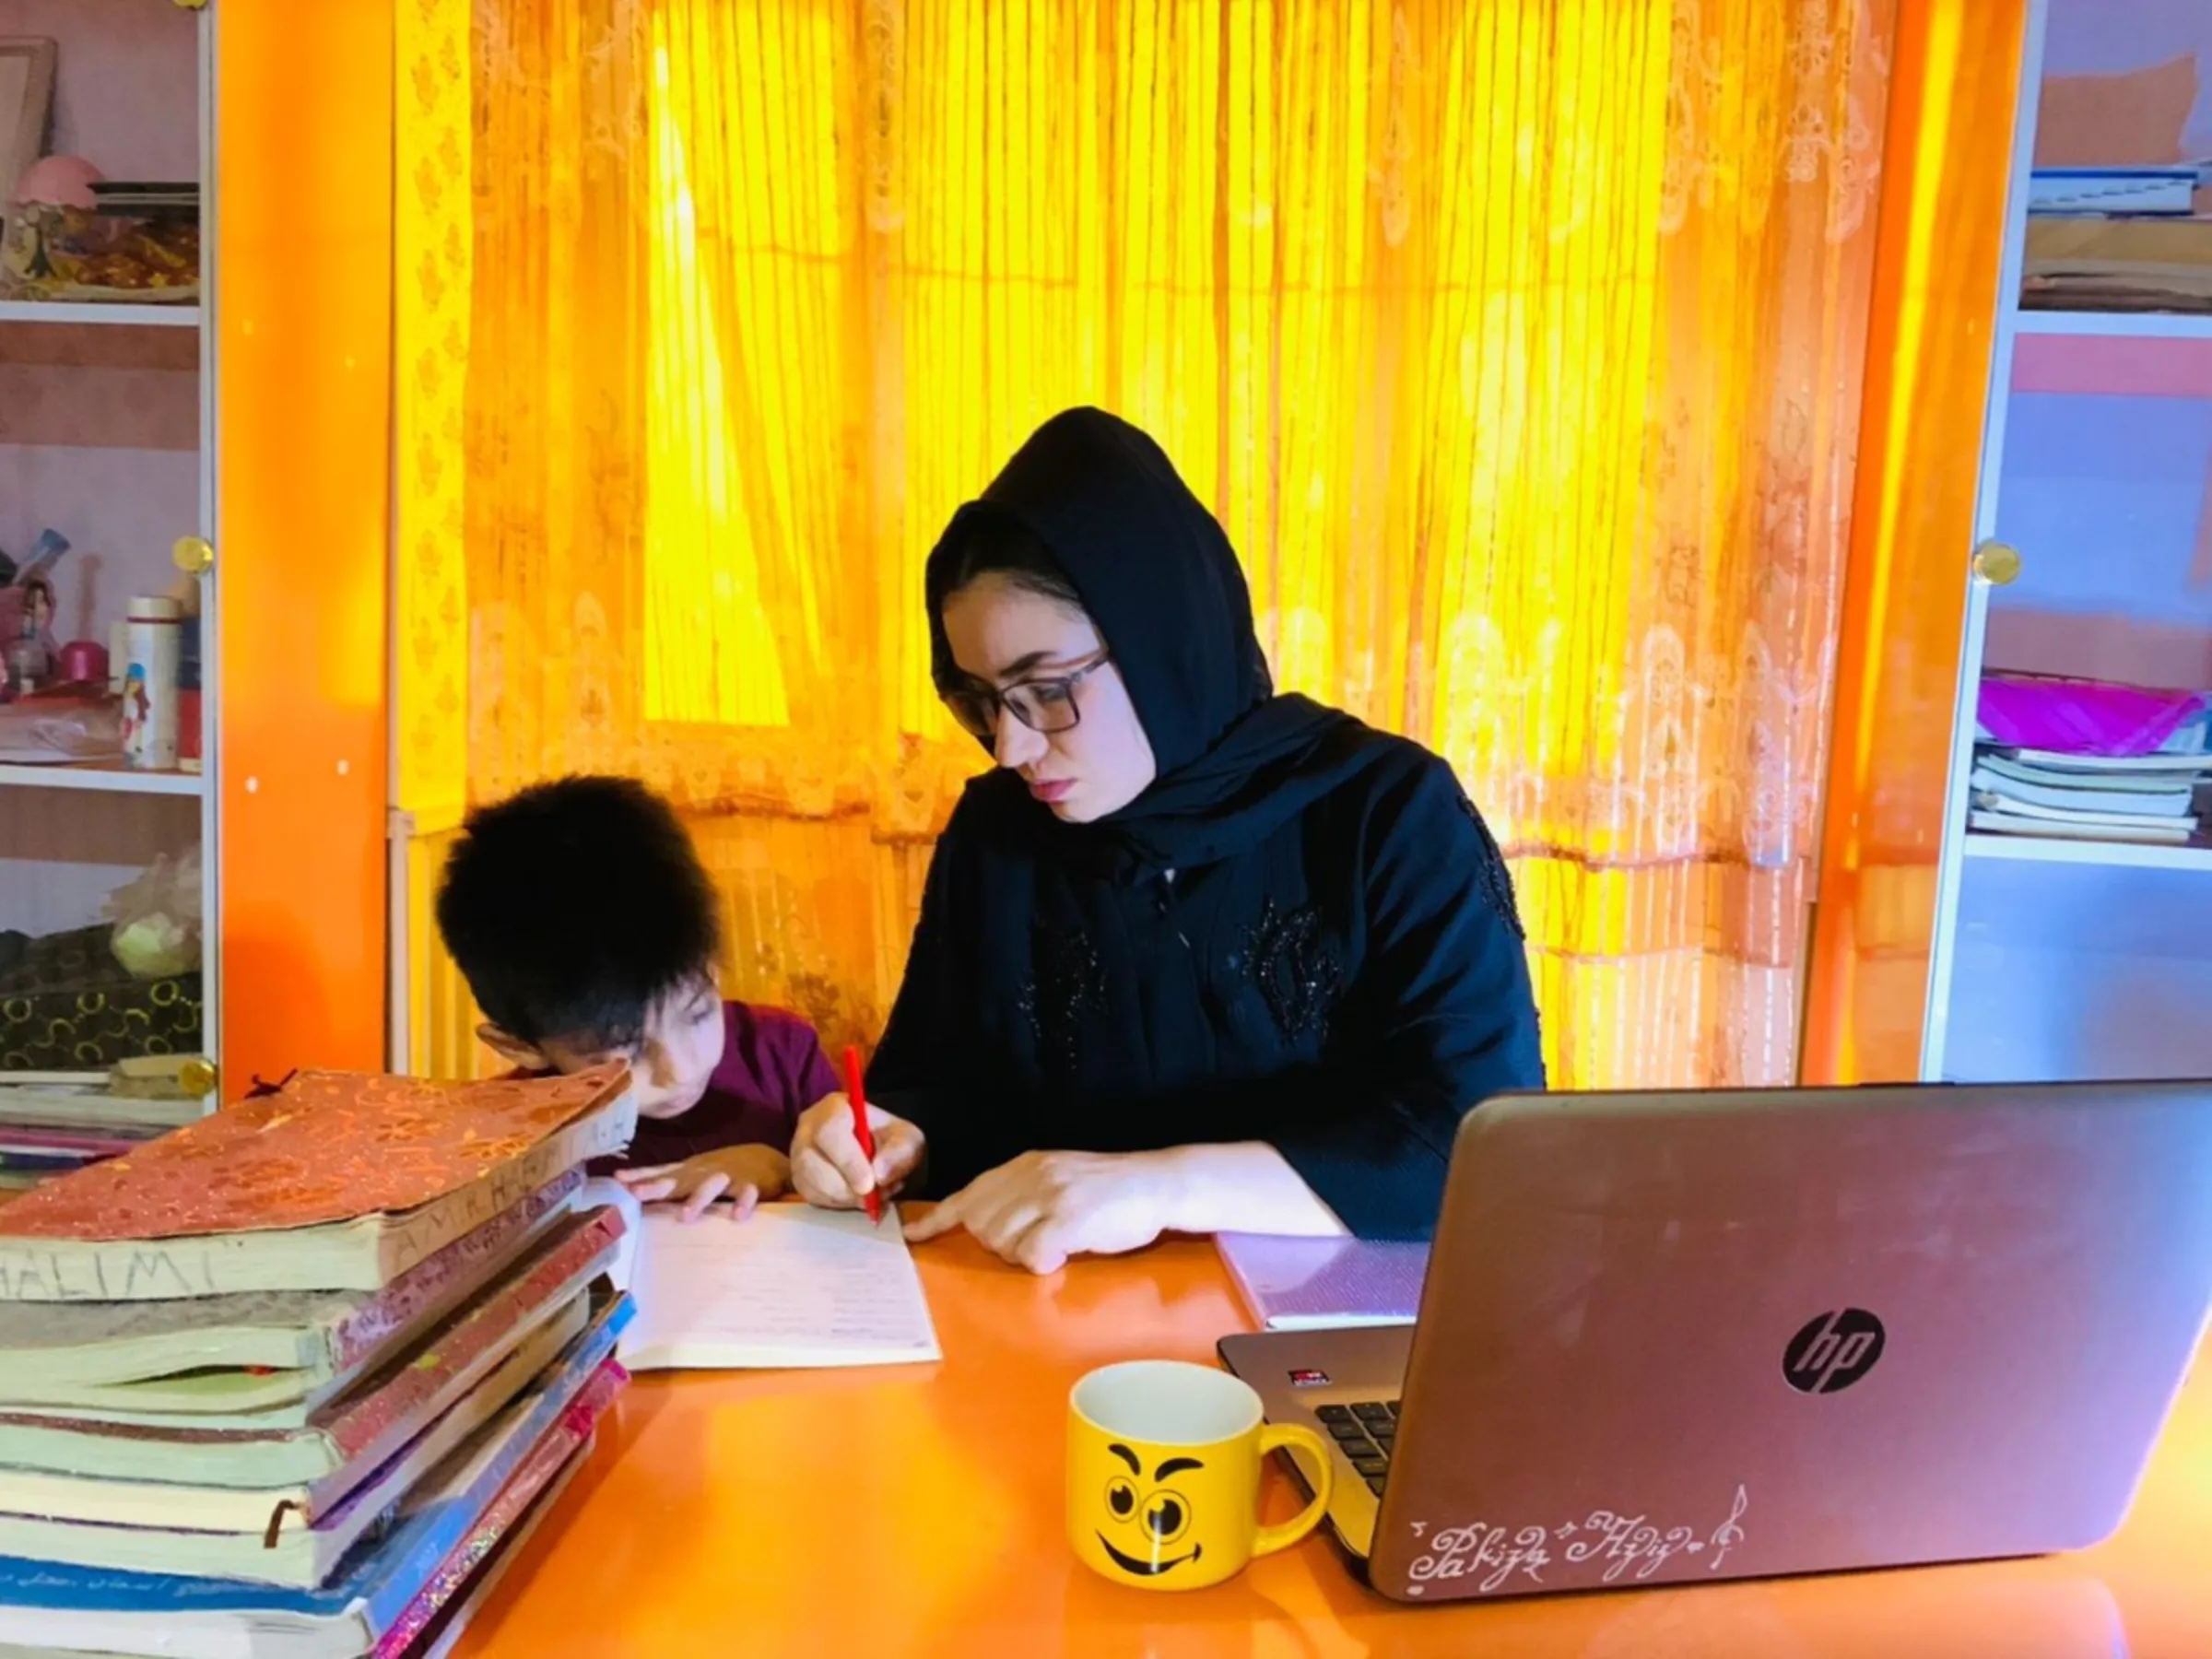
x,y
53,1123
2144,798
2088,760
30,1154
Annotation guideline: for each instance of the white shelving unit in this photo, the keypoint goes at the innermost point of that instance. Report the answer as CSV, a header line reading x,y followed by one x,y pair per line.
x,y
2112,325
100,780
2116,855
2057,958
107,435
59,312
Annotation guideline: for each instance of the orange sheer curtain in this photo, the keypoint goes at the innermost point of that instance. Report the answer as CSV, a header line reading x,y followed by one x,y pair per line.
x,y
1517,344
1934,312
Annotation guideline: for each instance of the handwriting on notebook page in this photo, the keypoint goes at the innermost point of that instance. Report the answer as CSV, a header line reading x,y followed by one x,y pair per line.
x,y
793,1285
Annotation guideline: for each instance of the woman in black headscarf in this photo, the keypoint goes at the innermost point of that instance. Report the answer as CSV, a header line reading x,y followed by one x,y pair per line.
x,y
1196,957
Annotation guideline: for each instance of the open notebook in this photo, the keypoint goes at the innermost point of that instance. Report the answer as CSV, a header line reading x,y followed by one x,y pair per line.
x,y
793,1287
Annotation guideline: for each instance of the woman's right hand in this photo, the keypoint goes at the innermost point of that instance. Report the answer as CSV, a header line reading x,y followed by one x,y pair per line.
x,y
828,1168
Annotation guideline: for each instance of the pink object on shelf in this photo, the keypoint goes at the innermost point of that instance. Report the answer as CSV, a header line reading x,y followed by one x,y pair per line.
x,y
2082,717
60,182
85,663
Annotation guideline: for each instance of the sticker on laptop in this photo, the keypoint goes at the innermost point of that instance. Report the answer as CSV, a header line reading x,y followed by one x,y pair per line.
x,y
1630,1548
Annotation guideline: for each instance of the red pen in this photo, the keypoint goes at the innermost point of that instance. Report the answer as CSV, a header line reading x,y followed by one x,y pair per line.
x,y
857,1098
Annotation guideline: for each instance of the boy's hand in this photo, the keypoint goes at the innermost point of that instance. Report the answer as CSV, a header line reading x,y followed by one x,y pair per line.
x,y
745,1175
826,1163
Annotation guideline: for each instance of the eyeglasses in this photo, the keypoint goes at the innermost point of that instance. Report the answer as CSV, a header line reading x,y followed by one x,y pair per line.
x,y
1046,705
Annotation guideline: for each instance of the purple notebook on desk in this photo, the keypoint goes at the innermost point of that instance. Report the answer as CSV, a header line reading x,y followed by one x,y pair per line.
x,y
1320,1284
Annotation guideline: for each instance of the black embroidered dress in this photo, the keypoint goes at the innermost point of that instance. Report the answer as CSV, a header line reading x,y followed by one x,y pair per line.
x,y
1302,934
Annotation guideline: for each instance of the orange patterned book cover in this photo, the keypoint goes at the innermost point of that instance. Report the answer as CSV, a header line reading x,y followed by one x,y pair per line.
x,y
338,1182
327,1146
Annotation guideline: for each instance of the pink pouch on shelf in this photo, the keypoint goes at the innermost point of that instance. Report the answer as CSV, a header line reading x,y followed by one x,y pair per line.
x,y
2082,717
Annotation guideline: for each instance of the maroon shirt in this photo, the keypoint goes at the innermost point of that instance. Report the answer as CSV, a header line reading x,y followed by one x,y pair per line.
x,y
772,1068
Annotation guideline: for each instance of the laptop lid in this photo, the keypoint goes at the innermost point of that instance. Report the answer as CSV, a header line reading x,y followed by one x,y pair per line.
x,y
1673,1338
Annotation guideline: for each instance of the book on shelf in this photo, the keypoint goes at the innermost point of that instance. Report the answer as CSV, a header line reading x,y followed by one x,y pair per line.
x,y
2168,188
339,1181
43,1164
344,1438
2160,773
465,1504
138,1097
2002,788
2120,264
278,1346
2160,764
31,1140
2169,832
89,1104
2182,824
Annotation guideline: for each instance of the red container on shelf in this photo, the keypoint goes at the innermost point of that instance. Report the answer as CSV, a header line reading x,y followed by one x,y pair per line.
x,y
188,698
188,731
85,663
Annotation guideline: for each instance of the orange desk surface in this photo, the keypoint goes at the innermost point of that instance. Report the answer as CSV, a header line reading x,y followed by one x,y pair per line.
x,y
858,1516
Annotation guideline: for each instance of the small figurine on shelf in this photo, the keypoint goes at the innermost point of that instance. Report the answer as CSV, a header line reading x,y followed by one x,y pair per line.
x,y
56,184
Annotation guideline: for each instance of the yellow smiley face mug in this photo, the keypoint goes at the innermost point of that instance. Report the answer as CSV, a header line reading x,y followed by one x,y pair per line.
x,y
1163,1475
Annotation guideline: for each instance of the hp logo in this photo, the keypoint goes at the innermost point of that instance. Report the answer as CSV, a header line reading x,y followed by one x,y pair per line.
x,y
1834,1351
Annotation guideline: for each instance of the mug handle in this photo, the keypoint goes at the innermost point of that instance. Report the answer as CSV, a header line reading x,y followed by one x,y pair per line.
x,y
1294,1438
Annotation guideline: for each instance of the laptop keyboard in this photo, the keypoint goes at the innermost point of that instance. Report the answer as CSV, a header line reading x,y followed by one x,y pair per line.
x,y
1365,1431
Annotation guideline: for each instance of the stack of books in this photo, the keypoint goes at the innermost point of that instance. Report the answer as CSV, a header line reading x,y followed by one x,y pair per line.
x,y
291,1380
53,1123
2120,239
2144,798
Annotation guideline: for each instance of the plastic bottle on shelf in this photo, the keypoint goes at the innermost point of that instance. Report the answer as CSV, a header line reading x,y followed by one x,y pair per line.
x,y
153,634
28,665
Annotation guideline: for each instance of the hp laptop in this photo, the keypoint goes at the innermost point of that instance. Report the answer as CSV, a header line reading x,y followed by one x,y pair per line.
x,y
1671,1338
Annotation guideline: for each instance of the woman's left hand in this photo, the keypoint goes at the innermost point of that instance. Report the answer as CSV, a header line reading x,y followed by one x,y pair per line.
x,y
1043,1207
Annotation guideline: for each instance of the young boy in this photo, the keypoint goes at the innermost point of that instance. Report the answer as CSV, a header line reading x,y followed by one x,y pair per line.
x,y
587,930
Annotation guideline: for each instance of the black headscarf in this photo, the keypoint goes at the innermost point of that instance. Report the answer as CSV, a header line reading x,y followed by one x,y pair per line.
x,y
1157,575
